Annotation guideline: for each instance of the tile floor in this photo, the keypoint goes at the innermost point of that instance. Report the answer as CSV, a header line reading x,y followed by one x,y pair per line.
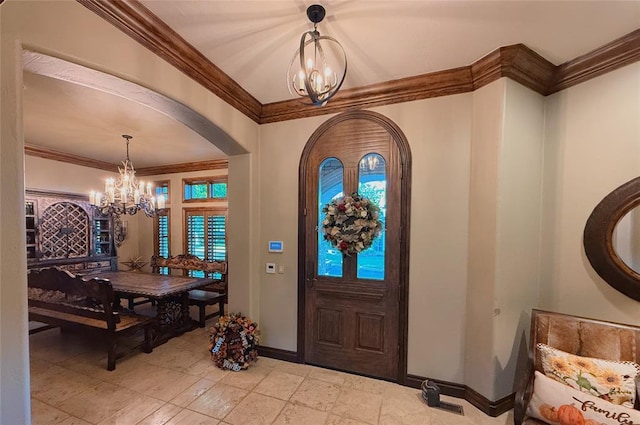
x,y
178,384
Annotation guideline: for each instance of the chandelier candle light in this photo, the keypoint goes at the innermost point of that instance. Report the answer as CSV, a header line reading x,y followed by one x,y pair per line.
x,y
125,195
312,71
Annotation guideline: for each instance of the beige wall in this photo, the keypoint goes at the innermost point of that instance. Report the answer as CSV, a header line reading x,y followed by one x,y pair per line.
x,y
438,131
518,237
592,146
488,117
14,352
281,146
439,134
46,174
504,233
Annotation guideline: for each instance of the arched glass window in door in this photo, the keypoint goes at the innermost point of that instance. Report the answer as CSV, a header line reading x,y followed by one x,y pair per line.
x,y
372,184
330,186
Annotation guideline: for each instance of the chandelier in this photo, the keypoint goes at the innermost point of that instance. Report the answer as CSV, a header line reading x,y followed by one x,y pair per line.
x,y
125,195
313,69
369,162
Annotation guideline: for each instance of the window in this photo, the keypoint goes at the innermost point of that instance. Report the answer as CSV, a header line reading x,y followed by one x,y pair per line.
x,y
372,184
206,235
161,237
162,188
205,189
331,186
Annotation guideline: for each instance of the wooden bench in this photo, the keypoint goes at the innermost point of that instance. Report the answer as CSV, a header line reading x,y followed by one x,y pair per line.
x,y
575,335
214,293
58,298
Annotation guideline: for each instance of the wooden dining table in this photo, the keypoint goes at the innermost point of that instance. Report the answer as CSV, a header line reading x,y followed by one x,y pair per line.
x,y
171,296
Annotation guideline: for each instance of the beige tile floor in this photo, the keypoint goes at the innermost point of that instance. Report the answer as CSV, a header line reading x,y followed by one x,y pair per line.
x,y
178,384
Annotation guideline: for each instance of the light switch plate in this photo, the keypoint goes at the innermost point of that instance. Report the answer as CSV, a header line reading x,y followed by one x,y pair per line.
x,y
271,268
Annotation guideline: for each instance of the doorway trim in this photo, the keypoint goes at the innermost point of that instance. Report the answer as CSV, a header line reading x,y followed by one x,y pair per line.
x,y
405,204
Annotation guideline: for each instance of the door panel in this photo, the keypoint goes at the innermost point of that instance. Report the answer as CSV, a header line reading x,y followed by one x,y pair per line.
x,y
370,332
352,323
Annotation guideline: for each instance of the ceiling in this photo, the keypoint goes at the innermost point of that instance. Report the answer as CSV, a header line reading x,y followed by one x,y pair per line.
x,y
254,41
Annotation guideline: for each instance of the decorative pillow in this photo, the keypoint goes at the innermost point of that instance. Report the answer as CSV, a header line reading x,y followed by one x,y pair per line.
x,y
556,403
610,380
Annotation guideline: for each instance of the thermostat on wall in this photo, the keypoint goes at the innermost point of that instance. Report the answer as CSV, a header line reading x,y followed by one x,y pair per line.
x,y
275,246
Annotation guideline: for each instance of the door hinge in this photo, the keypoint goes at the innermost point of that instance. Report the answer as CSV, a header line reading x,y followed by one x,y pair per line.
x,y
304,211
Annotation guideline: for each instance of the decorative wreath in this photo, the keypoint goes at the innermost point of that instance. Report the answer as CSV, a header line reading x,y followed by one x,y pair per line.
x,y
351,223
234,342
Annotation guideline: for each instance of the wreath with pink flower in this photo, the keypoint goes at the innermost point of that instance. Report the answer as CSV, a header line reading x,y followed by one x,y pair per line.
x,y
351,223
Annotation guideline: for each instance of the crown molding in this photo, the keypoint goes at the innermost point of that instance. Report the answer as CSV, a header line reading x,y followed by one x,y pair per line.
x,y
215,164
46,153
516,62
434,84
135,20
620,52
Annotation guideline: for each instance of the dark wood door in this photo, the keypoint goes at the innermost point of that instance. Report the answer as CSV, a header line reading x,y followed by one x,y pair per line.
x,y
353,319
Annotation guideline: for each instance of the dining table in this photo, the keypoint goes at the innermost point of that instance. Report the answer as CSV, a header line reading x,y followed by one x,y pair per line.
x,y
170,294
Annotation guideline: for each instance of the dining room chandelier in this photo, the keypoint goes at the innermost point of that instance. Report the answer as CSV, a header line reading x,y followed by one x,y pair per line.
x,y
318,67
125,195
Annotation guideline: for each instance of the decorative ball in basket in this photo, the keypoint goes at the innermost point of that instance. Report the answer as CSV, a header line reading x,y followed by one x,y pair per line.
x,y
234,342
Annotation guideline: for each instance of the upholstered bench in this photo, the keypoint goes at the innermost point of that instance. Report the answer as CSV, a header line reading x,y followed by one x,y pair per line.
x,y
566,354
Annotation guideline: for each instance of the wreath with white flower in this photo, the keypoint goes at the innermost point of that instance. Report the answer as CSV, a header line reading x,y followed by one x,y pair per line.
x,y
234,342
351,223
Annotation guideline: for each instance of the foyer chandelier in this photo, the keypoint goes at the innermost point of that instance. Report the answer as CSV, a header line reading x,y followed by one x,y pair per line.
x,y
125,195
316,65
369,162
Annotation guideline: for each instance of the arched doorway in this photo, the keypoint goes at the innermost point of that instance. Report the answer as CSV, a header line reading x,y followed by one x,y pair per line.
x,y
353,310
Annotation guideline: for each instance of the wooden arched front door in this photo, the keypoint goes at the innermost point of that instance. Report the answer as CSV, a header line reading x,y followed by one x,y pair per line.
x,y
352,311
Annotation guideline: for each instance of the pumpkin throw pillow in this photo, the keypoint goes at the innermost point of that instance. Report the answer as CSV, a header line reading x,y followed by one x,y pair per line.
x,y
556,403
609,380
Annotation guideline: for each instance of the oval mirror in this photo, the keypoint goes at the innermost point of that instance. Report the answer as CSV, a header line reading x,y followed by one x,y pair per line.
x,y
611,239
626,239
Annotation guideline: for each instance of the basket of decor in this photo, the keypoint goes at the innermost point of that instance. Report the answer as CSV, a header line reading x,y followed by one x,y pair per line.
x,y
234,342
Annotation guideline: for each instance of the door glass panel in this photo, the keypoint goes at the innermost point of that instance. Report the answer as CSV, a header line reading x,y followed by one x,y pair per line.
x,y
330,186
372,184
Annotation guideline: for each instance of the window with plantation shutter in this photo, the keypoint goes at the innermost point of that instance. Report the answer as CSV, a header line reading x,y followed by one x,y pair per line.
x,y
161,237
206,236
216,231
